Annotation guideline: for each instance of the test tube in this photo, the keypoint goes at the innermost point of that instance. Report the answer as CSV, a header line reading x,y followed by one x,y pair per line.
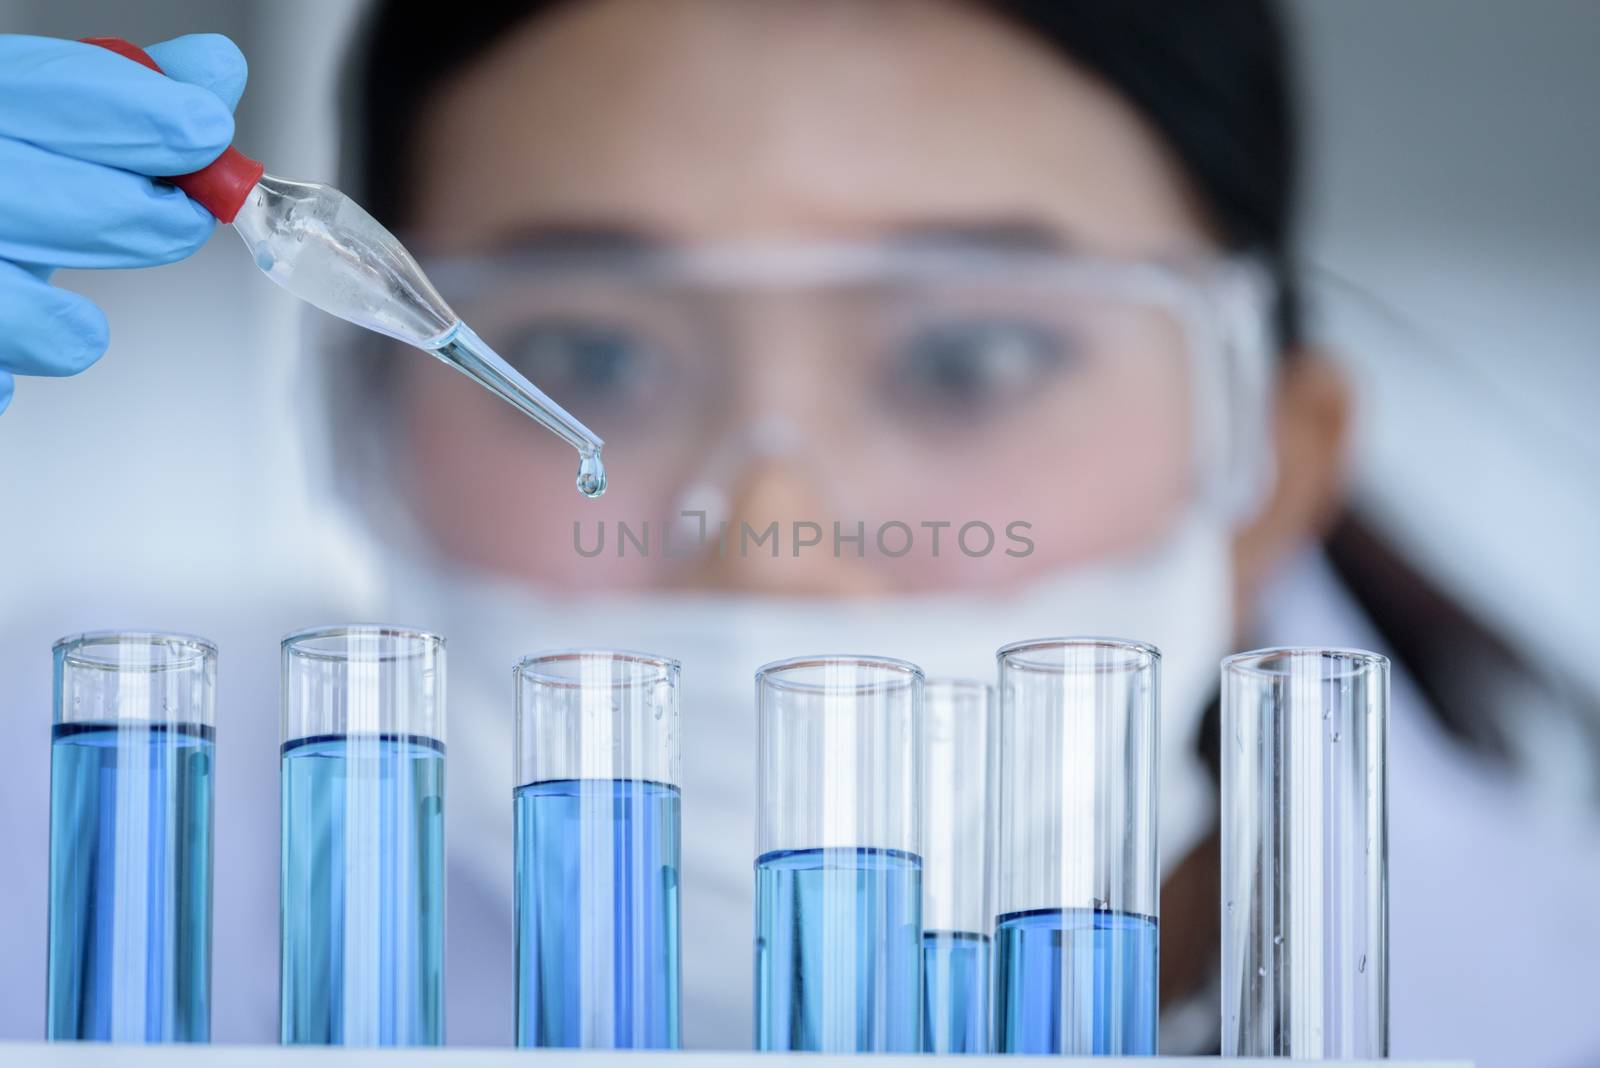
x,y
839,864
1304,854
1076,939
957,858
362,878
597,850
130,838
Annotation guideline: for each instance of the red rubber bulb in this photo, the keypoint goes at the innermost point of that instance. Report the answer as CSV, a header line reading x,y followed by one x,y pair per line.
x,y
222,185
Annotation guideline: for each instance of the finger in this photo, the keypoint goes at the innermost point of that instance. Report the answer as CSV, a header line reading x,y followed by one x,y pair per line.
x,y
68,213
89,103
208,60
48,331
7,387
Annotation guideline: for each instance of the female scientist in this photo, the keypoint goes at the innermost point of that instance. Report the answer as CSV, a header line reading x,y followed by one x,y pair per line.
x,y
913,326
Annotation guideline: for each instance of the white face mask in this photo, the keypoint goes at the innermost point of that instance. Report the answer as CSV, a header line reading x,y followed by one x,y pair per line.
x,y
1178,596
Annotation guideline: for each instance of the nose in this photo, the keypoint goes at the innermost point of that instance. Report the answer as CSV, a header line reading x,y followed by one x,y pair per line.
x,y
768,478
780,539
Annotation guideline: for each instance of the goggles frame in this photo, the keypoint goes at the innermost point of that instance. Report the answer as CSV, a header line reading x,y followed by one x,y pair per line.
x,y
1223,301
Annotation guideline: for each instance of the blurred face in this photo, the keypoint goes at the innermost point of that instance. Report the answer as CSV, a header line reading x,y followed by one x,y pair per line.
x,y
892,124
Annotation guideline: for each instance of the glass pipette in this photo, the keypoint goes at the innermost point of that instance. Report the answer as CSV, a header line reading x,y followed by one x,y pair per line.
x,y
324,248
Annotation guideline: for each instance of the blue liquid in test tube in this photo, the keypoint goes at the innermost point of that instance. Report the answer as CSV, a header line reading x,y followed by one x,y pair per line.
x,y
362,877
838,949
597,910
597,851
839,867
1077,933
1079,979
131,764
957,857
955,978
363,884
130,882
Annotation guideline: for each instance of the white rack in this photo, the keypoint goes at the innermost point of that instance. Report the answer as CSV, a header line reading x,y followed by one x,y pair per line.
x,y
95,1055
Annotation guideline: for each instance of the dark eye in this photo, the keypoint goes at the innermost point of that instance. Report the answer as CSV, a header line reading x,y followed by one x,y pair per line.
x,y
581,363
969,367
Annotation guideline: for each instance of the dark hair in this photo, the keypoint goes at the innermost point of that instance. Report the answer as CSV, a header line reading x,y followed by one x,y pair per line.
x,y
1211,77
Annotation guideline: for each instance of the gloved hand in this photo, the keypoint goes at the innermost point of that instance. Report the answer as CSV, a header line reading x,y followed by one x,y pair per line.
x,y
82,130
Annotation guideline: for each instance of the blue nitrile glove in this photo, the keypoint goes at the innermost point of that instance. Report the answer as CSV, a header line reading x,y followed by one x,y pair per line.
x,y
82,130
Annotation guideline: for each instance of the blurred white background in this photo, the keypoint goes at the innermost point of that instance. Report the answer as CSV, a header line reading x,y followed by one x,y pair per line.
x,y
1453,176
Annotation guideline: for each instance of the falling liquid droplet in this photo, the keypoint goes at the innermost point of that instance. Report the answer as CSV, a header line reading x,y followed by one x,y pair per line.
x,y
1362,966
1277,940
591,475
1230,908
1262,972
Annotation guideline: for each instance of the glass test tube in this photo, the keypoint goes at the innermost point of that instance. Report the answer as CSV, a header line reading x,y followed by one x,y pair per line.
x,y
130,838
957,857
362,878
1304,854
839,866
1078,889
597,851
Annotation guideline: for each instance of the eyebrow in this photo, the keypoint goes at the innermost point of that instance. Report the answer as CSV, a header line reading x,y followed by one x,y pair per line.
x,y
1001,233
579,237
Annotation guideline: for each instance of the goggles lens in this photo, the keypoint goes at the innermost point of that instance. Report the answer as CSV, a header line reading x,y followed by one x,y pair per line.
x,y
902,385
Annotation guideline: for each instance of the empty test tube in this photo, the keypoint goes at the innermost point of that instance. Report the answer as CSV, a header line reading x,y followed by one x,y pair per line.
x,y
1078,875
130,838
597,851
363,877
839,865
957,859
1304,854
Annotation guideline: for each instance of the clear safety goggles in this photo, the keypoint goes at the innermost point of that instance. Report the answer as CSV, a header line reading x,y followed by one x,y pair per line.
x,y
895,377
